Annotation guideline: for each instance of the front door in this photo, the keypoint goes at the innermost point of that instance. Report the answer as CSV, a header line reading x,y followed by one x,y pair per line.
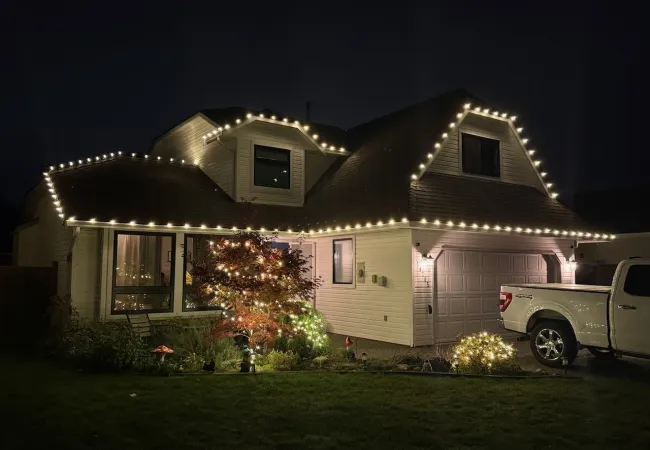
x,y
631,310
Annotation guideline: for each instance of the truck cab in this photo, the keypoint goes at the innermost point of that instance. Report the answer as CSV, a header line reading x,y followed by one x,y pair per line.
x,y
563,318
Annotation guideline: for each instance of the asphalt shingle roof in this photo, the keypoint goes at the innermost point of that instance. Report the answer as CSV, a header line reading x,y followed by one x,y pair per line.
x,y
372,183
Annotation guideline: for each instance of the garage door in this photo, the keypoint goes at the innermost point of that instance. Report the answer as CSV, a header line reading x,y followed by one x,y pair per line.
x,y
468,284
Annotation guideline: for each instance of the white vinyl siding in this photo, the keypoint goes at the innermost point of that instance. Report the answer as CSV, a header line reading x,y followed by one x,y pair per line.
x,y
216,159
515,165
368,310
86,260
435,242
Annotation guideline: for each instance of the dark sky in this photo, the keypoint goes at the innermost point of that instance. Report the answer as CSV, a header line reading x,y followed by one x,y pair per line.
x,y
79,79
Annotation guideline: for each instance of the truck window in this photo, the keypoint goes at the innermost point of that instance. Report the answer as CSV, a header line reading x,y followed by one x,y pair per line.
x,y
638,280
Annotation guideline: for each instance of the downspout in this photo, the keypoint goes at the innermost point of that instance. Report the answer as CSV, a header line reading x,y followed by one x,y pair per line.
x,y
73,243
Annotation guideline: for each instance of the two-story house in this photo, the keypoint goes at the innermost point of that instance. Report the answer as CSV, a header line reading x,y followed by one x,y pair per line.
x,y
414,219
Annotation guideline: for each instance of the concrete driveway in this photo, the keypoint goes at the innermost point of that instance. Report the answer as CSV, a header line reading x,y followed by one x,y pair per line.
x,y
586,365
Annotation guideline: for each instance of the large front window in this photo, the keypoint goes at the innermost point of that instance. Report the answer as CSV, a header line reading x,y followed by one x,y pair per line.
x,y
143,273
481,156
272,167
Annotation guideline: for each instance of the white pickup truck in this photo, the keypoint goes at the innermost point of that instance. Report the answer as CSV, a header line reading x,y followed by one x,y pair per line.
x,y
563,318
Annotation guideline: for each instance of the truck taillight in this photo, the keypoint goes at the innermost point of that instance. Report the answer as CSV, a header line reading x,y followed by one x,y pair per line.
x,y
505,298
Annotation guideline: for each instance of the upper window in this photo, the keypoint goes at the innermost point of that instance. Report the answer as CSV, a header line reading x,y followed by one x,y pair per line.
x,y
143,273
272,167
481,156
637,280
343,261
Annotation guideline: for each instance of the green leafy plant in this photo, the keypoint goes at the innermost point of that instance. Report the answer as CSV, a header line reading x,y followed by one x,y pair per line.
x,y
282,360
105,346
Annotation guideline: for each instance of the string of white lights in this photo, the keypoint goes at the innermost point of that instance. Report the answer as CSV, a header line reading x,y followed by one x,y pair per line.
x,y
434,224
304,128
485,112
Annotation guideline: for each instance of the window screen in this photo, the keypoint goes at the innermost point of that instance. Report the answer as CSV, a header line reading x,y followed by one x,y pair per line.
x,y
481,156
638,281
343,260
272,167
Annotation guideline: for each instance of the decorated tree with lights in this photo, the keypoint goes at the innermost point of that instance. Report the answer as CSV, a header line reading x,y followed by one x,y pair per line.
x,y
265,292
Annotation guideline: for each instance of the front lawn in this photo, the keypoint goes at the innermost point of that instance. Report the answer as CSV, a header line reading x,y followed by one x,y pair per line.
x,y
49,407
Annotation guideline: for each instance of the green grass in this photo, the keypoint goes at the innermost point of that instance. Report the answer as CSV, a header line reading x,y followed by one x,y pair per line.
x,y
48,407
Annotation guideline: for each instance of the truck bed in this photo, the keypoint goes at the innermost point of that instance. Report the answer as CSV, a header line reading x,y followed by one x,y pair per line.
x,y
564,287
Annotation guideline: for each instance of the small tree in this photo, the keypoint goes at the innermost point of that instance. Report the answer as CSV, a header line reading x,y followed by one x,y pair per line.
x,y
264,291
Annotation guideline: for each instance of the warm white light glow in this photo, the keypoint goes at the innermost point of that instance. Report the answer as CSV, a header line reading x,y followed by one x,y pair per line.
x,y
404,220
520,129
475,226
169,224
444,135
237,121
187,225
462,225
437,145
422,166
249,115
450,223
93,220
537,163
112,222
151,224
132,222
508,229
452,125
531,152
513,118
525,141
423,220
414,177
467,106
542,174
430,155
486,227
459,115
436,222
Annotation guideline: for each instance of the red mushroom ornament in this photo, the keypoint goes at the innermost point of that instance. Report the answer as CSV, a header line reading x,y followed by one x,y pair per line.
x,y
162,350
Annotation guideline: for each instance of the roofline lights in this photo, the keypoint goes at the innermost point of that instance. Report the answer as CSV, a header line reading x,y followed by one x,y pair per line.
x,y
460,116
342,228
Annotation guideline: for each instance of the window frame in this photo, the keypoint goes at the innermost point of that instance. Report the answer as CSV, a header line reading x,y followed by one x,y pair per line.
x,y
483,136
256,144
350,284
213,237
143,289
627,275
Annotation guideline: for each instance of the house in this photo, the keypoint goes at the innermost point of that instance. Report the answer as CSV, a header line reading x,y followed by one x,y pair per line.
x,y
625,215
413,219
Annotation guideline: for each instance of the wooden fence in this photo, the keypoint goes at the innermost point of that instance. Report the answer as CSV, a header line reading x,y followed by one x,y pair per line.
x,y
25,294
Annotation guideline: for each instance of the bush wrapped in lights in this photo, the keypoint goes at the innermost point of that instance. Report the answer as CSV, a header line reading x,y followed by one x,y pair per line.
x,y
258,287
484,353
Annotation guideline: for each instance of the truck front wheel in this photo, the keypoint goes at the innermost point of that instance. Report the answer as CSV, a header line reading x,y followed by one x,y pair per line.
x,y
551,341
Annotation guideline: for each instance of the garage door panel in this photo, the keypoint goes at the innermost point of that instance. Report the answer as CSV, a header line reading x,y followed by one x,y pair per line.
x,y
457,306
456,283
489,282
473,282
474,306
490,305
472,262
455,262
468,284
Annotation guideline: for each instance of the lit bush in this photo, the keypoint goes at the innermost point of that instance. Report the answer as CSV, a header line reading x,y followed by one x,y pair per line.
x,y
484,353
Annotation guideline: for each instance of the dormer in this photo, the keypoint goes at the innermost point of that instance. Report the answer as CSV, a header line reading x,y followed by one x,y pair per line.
x,y
256,157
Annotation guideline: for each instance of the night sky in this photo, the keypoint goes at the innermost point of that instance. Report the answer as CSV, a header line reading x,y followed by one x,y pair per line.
x,y
78,79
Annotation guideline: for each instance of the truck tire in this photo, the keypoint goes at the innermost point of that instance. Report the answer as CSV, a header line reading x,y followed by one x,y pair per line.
x,y
552,340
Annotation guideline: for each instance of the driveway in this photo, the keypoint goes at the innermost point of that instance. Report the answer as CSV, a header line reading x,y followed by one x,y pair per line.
x,y
585,365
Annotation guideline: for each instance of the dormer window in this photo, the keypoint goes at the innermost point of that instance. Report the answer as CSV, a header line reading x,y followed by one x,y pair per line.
x,y
481,156
272,167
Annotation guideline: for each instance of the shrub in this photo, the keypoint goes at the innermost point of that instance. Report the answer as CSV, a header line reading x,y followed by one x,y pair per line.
x,y
105,346
484,353
195,345
282,360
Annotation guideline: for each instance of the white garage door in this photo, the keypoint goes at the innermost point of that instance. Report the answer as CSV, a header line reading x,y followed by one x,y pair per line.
x,y
468,285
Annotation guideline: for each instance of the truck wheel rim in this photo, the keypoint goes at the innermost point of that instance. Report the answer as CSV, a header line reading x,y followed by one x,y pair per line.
x,y
549,344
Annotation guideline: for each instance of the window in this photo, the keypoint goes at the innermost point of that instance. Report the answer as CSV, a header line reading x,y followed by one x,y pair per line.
x,y
195,250
272,167
481,156
343,260
144,273
637,281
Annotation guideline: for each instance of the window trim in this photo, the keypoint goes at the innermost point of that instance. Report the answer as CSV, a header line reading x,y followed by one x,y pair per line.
x,y
254,158
350,284
143,289
213,237
460,154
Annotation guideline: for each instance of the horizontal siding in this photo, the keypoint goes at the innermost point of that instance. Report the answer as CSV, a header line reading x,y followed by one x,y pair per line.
x,y
515,165
359,310
433,242
262,133
85,274
216,159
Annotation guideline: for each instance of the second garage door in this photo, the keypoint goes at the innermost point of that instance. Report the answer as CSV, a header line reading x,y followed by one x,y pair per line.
x,y
468,284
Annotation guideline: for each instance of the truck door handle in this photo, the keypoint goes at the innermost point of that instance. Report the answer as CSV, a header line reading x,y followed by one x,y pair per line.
x,y
626,307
